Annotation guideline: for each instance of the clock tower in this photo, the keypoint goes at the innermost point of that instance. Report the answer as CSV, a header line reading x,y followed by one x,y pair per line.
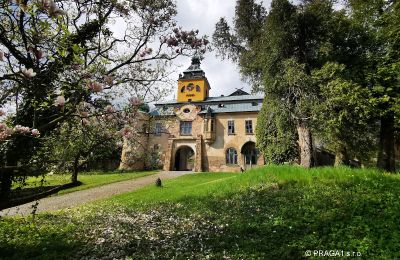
x,y
193,84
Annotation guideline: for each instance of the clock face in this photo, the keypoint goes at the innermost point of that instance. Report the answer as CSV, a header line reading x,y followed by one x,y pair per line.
x,y
190,87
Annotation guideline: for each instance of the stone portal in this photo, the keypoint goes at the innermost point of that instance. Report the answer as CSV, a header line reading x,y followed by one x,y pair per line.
x,y
184,159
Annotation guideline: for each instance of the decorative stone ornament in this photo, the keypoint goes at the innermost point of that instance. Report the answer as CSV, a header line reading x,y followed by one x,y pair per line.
x,y
187,112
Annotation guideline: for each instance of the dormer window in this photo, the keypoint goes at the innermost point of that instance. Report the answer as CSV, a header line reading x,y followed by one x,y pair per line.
x,y
186,110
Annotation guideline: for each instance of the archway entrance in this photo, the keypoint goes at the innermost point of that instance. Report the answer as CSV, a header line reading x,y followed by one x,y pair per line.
x,y
250,154
184,159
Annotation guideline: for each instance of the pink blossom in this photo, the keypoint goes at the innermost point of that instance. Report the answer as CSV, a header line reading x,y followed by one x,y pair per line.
x,y
84,114
127,133
135,101
85,121
60,101
3,127
54,11
95,86
29,73
35,132
110,109
22,129
76,67
109,79
5,132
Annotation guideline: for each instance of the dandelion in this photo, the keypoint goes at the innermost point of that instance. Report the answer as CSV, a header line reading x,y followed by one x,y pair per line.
x,y
60,101
29,73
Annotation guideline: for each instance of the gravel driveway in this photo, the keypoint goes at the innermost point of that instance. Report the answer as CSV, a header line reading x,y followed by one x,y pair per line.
x,y
81,197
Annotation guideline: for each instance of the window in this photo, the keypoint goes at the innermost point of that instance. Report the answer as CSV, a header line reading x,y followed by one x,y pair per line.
x,y
231,127
231,156
190,87
254,104
197,88
158,129
186,110
249,126
183,89
212,125
186,128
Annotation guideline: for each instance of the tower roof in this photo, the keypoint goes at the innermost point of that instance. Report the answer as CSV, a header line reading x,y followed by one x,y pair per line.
x,y
194,70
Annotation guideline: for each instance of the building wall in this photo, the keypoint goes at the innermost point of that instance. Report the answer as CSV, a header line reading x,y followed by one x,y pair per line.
x,y
214,153
193,95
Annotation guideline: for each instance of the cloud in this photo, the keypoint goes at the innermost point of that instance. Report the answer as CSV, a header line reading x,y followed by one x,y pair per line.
x,y
224,76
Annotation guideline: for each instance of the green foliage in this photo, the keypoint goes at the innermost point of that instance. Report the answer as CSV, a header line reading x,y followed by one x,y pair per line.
x,y
75,145
344,111
276,135
268,213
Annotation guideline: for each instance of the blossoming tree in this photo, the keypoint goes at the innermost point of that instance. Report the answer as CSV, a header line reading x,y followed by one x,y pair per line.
x,y
57,55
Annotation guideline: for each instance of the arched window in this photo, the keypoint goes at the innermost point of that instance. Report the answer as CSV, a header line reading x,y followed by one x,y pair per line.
x,y
231,156
197,88
183,89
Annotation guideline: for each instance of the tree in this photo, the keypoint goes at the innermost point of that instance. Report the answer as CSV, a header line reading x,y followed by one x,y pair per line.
x,y
280,56
56,55
380,20
344,117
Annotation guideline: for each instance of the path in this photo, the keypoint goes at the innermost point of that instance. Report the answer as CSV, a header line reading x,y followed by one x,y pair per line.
x,y
83,196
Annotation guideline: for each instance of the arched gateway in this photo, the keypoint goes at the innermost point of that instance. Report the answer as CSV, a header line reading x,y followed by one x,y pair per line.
x,y
184,159
250,154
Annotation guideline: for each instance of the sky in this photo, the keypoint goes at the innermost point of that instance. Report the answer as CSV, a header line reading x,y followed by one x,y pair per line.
x,y
223,75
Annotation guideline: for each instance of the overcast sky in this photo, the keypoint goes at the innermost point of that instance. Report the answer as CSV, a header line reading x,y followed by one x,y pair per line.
x,y
224,75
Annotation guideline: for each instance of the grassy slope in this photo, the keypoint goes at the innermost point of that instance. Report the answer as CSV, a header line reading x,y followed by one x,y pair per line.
x,y
272,213
89,180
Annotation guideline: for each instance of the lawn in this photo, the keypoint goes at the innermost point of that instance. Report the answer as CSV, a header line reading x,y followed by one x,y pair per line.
x,y
275,212
88,180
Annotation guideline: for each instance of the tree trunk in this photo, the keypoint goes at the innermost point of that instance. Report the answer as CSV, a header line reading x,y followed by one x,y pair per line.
x,y
386,153
74,176
5,184
341,157
305,144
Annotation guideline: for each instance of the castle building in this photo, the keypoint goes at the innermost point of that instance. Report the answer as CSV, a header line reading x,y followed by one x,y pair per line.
x,y
202,133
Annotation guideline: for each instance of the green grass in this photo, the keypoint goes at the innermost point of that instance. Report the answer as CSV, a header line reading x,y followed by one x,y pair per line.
x,y
268,213
88,180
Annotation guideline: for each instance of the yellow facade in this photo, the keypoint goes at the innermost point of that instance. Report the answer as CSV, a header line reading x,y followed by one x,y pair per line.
x,y
202,133
190,90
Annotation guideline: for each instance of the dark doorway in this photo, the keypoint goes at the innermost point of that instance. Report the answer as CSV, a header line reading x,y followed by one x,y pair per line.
x,y
184,159
250,154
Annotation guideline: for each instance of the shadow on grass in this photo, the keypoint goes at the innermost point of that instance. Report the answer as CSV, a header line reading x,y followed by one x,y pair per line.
x,y
22,196
47,237
355,216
